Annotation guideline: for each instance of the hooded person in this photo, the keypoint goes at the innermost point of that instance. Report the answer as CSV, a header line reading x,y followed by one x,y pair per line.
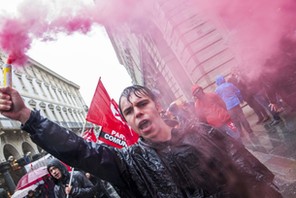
x,y
249,95
80,185
232,97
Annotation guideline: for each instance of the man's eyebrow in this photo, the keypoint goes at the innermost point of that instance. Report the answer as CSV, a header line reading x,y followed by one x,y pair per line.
x,y
127,109
143,100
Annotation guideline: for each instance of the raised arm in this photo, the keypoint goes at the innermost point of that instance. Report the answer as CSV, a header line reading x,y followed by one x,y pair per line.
x,y
98,159
12,105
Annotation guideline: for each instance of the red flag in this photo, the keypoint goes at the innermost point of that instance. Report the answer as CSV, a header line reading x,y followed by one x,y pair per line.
x,y
104,111
89,135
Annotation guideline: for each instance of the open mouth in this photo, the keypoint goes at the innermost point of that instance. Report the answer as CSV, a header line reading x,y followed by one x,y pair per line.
x,y
144,124
56,175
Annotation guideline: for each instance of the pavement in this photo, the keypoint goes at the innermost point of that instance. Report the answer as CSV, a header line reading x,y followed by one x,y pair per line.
x,y
275,147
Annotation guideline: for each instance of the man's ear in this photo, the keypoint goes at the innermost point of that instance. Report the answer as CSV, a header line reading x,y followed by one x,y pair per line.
x,y
158,107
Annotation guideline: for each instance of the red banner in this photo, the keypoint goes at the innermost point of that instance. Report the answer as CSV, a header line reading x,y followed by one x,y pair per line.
x,y
104,112
89,135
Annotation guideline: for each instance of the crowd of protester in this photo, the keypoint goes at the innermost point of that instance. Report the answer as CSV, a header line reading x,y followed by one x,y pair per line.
x,y
192,149
220,109
191,159
224,105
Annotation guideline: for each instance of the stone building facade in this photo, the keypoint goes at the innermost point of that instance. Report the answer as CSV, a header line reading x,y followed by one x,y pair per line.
x,y
173,48
54,96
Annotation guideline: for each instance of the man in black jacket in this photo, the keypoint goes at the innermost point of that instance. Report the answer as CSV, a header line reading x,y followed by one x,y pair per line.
x,y
80,185
193,161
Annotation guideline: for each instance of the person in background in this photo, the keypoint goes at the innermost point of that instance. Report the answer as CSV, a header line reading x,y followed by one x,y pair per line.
x,y
249,95
31,194
79,187
192,161
266,97
45,189
211,109
232,97
181,112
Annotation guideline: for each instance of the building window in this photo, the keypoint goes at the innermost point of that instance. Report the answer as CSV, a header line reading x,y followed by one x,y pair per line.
x,y
61,94
30,71
51,108
30,79
63,120
21,82
48,90
40,87
72,99
44,77
42,106
67,97
32,104
55,93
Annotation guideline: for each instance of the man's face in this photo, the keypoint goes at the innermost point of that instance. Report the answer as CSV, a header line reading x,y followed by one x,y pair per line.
x,y
143,116
55,172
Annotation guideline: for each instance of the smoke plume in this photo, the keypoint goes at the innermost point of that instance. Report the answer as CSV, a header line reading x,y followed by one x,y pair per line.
x,y
45,19
255,29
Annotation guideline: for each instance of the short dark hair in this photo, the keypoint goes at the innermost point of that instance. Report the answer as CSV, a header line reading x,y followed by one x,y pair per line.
x,y
138,90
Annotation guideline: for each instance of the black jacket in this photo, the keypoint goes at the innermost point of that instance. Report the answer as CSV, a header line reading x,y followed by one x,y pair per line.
x,y
81,186
199,161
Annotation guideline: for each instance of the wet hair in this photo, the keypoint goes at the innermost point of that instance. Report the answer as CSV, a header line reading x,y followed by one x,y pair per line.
x,y
138,91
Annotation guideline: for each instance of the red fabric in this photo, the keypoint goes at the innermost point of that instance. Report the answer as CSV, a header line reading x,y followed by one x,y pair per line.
x,y
104,111
231,125
89,135
32,177
212,109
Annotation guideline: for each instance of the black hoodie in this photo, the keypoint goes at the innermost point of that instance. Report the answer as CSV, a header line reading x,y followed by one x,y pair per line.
x,y
81,186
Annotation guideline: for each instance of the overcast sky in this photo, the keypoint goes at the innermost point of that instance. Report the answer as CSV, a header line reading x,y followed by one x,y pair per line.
x,y
81,58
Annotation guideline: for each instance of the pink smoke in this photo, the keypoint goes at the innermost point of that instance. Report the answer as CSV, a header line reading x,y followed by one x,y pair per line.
x,y
44,20
14,40
37,20
255,27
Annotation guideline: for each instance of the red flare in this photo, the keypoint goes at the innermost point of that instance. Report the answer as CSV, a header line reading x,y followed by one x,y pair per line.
x,y
11,59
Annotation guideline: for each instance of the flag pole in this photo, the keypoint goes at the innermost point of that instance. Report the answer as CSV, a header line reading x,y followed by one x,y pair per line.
x,y
72,169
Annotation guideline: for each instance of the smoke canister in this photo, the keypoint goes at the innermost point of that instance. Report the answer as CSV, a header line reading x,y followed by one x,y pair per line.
x,y
7,75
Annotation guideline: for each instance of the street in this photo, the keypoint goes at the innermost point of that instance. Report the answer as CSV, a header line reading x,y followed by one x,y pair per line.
x,y
275,147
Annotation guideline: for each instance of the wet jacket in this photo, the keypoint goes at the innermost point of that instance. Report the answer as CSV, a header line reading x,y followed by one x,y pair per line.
x,y
229,93
197,162
81,186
